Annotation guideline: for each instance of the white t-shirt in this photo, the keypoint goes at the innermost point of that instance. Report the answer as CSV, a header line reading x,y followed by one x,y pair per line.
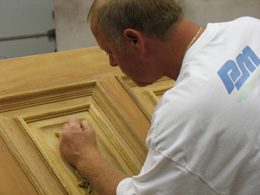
x,y
205,133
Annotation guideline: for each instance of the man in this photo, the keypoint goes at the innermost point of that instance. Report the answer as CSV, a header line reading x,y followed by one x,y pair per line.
x,y
205,133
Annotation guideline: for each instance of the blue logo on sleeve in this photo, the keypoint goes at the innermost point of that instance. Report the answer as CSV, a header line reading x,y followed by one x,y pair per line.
x,y
235,73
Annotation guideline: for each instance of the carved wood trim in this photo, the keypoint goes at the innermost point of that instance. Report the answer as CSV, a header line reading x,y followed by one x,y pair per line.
x,y
120,138
152,93
38,97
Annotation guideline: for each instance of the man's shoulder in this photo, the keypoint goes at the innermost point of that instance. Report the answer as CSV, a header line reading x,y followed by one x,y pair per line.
x,y
243,19
247,19
244,22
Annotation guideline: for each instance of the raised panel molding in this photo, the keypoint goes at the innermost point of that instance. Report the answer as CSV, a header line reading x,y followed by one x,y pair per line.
x,y
31,122
148,96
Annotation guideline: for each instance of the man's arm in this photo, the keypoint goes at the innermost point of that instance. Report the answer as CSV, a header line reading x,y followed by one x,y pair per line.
x,y
79,148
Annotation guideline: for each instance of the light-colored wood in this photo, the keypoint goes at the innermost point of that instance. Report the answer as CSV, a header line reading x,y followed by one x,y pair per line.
x,y
12,176
37,72
148,96
48,111
40,94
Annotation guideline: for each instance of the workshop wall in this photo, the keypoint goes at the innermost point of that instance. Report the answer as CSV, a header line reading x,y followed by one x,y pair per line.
x,y
26,18
30,17
205,11
73,31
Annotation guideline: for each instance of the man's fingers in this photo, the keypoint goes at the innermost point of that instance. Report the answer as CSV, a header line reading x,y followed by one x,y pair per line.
x,y
74,123
85,125
73,119
65,127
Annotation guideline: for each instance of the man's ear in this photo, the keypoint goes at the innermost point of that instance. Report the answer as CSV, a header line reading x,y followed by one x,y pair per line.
x,y
134,38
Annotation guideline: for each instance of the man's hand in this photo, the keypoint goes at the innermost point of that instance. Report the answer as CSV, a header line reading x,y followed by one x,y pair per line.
x,y
78,141
79,148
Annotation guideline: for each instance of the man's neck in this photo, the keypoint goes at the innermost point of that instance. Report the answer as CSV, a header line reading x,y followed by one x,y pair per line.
x,y
172,51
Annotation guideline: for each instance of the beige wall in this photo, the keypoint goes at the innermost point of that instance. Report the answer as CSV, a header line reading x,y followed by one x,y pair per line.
x,y
205,11
73,31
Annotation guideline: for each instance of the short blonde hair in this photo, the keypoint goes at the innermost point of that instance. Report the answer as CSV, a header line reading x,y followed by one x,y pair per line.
x,y
152,17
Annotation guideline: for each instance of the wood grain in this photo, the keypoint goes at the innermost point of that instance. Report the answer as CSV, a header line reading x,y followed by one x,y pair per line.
x,y
115,142
38,94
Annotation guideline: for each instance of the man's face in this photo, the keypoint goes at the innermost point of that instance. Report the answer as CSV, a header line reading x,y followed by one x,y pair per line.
x,y
134,64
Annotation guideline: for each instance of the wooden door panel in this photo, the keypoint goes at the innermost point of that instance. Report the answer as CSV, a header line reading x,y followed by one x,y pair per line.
x,y
13,180
30,126
42,179
34,105
148,96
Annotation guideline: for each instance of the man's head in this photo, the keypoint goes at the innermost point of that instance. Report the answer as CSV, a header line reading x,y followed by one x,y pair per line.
x,y
152,17
124,27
